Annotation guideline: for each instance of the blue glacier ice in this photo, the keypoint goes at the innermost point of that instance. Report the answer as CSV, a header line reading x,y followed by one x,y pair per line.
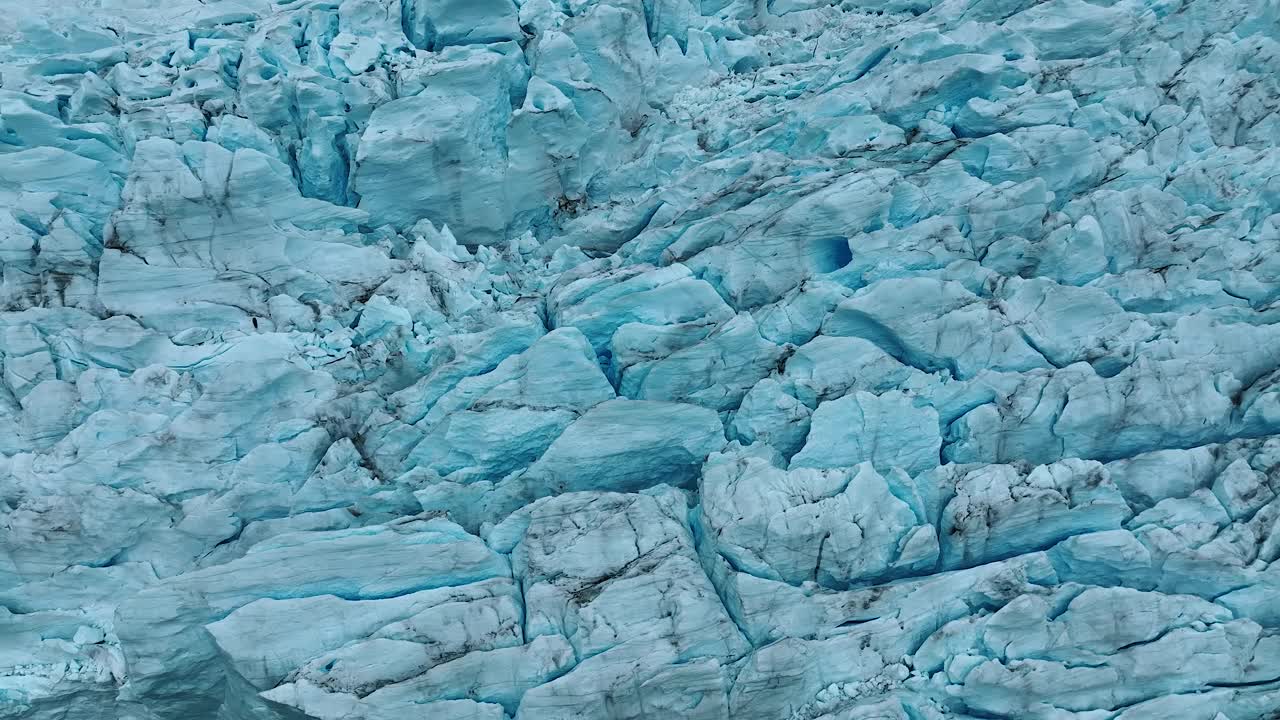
x,y
640,359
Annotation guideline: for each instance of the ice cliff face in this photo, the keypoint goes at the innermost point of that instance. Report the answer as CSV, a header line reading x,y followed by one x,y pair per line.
x,y
583,359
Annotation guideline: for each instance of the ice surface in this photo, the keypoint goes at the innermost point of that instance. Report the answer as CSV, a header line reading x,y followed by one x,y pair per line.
x,y
640,359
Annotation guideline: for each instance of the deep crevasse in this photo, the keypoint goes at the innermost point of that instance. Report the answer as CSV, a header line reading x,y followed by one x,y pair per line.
x,y
707,359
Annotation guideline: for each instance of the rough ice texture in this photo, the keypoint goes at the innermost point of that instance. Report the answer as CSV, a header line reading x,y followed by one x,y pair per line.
x,y
640,359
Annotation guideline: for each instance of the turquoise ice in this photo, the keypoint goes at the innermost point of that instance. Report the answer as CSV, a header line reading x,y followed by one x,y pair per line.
x,y
640,359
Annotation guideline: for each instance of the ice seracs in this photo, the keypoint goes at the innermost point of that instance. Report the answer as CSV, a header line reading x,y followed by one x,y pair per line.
x,y
638,359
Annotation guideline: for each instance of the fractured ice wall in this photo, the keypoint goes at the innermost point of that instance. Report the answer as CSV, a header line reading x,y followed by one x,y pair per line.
x,y
584,359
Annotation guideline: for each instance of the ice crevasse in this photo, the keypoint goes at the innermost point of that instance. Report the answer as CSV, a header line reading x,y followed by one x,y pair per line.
x,y
640,359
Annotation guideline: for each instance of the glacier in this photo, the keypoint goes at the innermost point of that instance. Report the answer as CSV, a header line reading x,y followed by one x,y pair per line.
x,y
640,359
